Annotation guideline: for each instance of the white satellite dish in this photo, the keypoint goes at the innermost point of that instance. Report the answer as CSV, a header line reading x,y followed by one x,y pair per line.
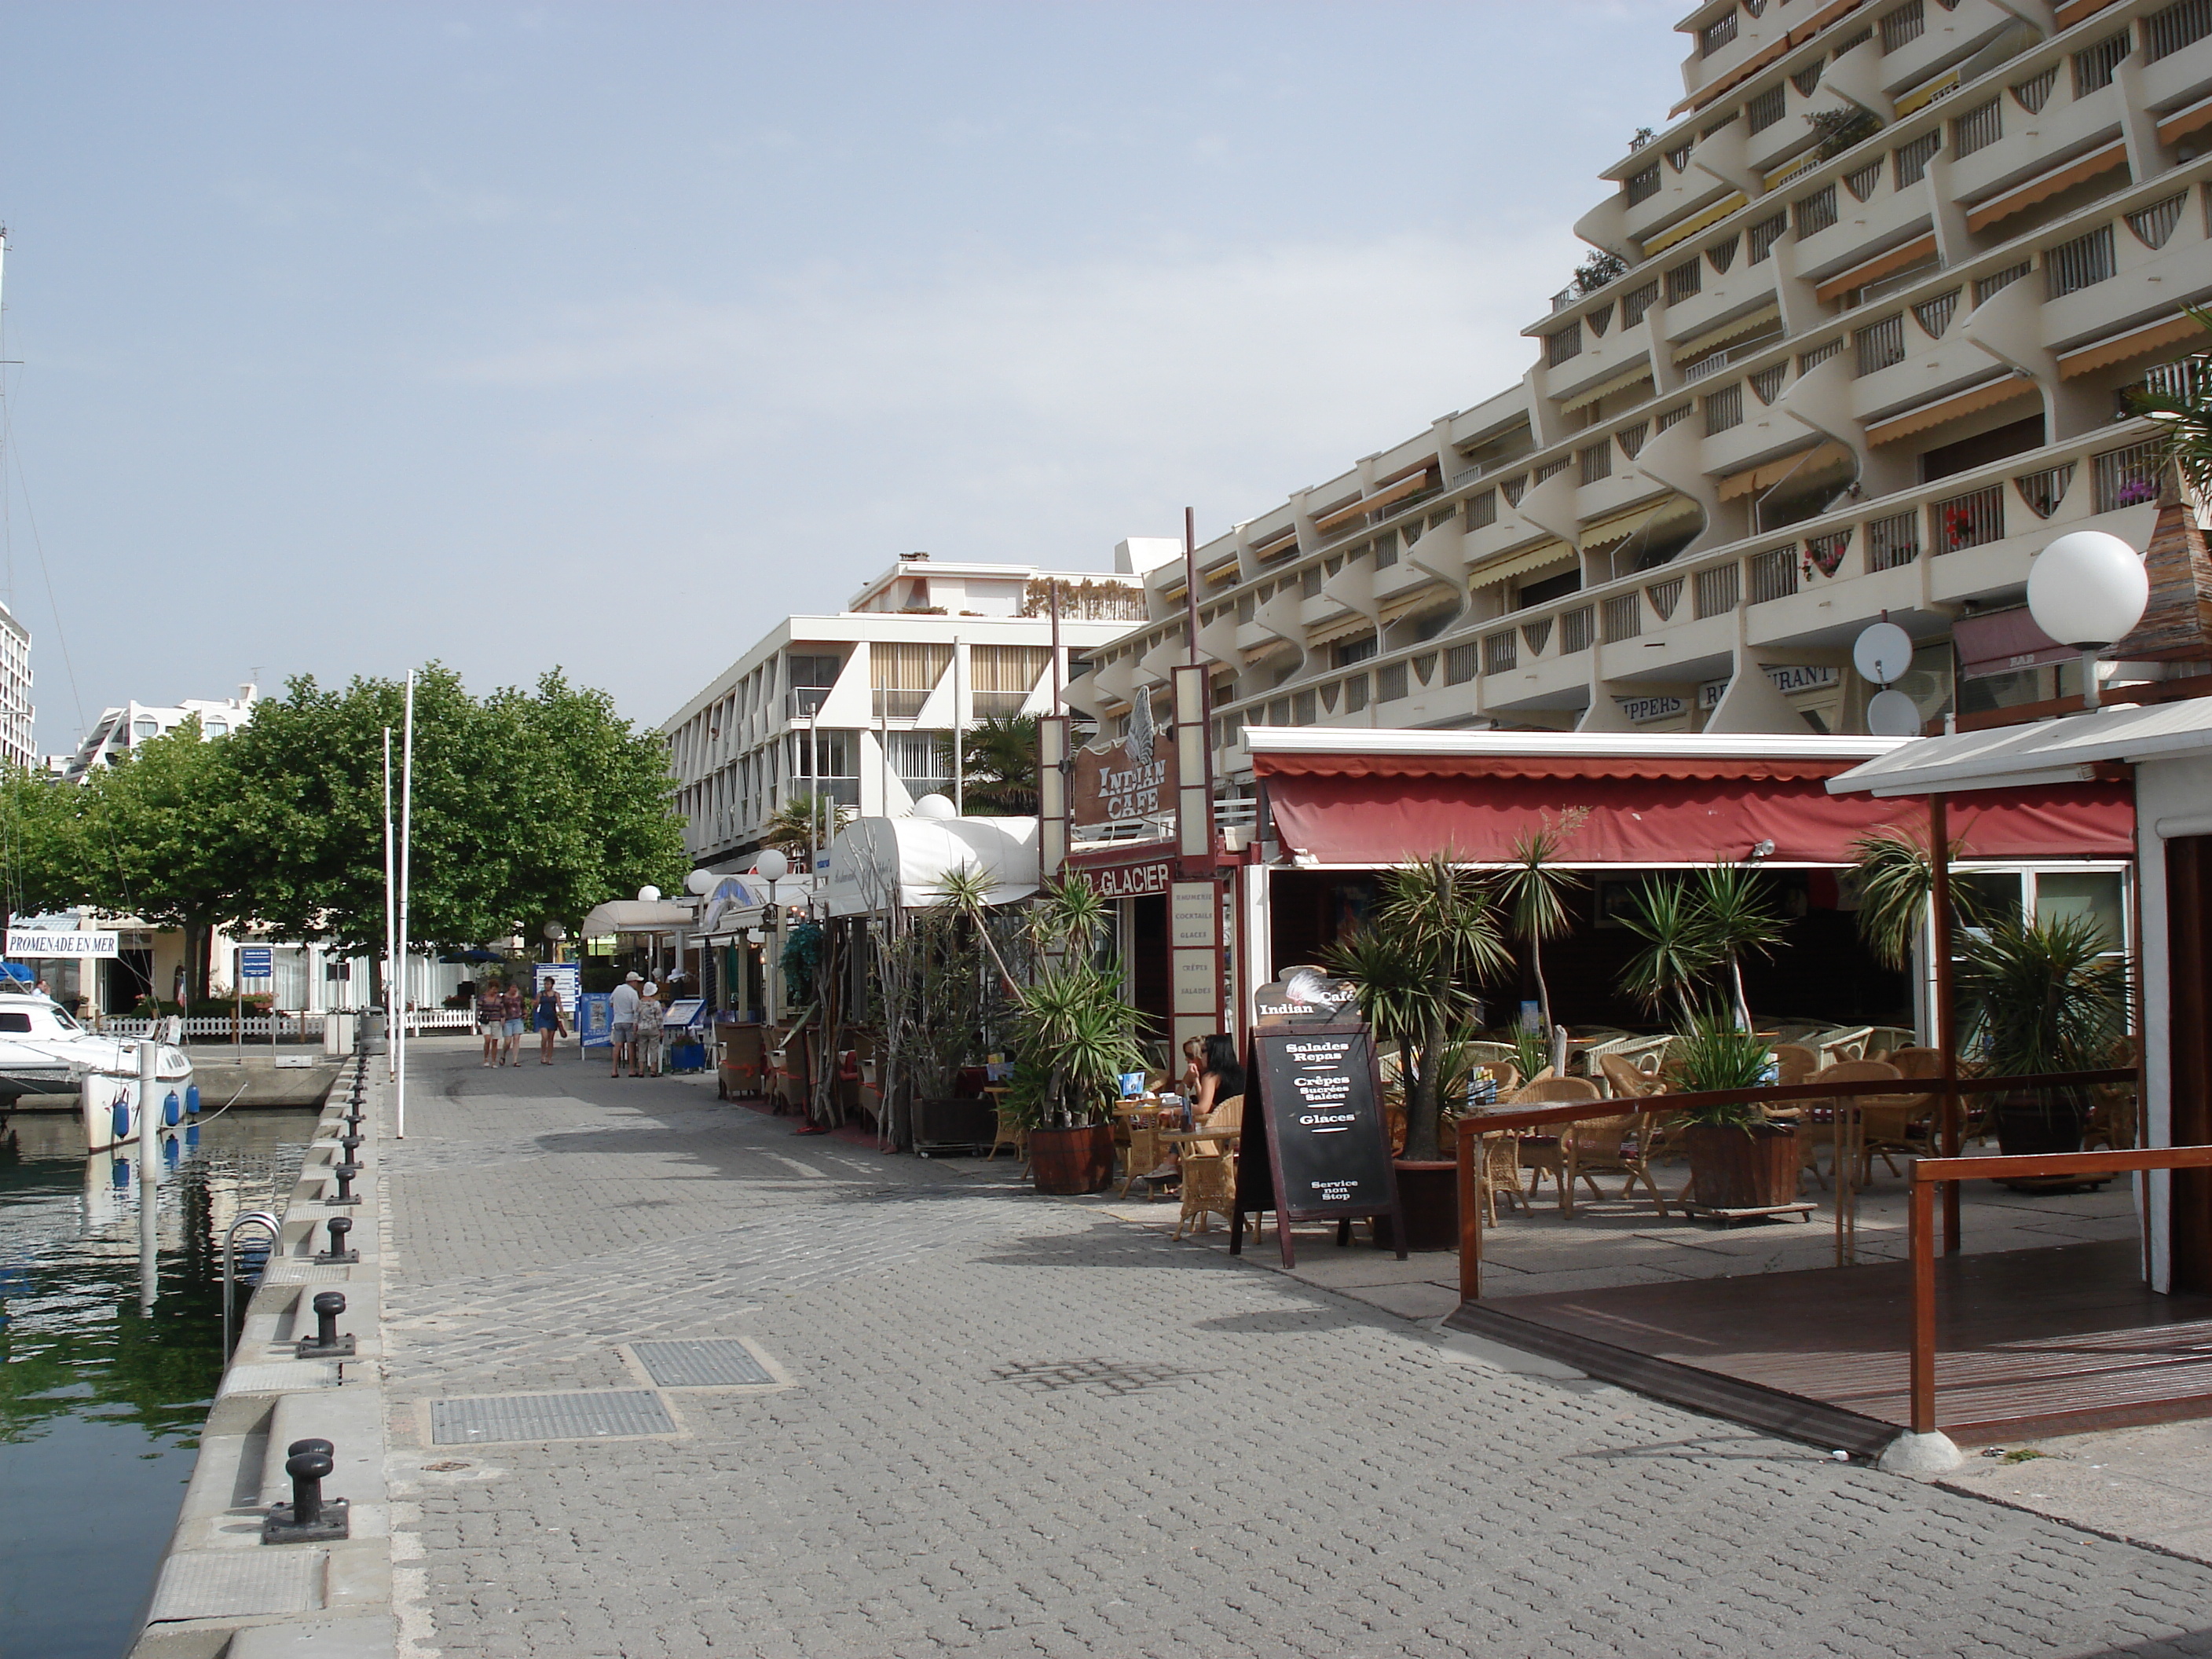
x,y
1893,714
1882,653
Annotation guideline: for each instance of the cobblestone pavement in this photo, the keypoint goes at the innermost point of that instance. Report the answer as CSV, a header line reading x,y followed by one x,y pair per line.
x,y
1016,1426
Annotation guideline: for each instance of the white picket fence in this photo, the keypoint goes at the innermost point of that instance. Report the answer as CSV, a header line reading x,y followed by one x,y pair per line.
x,y
279,1027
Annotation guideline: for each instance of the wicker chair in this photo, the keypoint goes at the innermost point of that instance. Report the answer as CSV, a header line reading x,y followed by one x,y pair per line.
x,y
1812,1136
1624,1080
1011,1133
1602,1145
1499,1172
1546,1154
1209,1188
1794,1062
1848,1043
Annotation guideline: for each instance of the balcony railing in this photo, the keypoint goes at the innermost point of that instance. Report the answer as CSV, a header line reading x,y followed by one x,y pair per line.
x,y
805,702
1972,519
2127,477
893,703
1773,574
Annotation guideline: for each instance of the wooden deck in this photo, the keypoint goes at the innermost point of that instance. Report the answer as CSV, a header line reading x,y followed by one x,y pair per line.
x,y
2030,1342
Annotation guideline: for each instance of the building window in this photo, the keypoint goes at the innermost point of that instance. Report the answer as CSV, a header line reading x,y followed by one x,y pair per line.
x,y
1460,665
2167,32
1002,677
1386,549
1577,628
1764,111
1816,212
1596,462
921,761
1390,683
1304,711
1624,617
1355,694
1978,128
1715,591
2080,263
1633,305
1352,650
1903,26
1717,33
1724,408
1880,344
1766,233
1684,280
2094,66
1912,159
1641,185
1563,345
1482,510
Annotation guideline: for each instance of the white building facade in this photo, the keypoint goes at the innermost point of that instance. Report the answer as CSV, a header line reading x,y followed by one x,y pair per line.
x,y
18,744
855,705
117,731
1860,339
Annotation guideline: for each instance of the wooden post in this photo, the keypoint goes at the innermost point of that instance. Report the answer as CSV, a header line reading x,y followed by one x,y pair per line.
x,y
1923,1304
1946,1035
1470,1215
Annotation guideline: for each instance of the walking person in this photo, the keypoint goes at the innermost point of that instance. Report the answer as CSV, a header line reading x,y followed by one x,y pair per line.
x,y
491,1020
652,1012
622,1032
511,1008
550,1023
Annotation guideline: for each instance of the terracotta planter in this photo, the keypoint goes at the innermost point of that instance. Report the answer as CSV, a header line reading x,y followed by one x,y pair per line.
x,y
1428,1197
1749,1168
1068,1162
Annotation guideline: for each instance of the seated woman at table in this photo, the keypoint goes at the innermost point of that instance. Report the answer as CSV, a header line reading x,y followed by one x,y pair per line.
x,y
1220,1079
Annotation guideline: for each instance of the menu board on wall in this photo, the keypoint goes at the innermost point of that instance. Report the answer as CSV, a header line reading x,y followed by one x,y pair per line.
x,y
1315,1147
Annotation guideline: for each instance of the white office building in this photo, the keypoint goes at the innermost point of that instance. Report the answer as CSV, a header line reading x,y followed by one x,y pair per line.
x,y
18,747
1860,337
855,705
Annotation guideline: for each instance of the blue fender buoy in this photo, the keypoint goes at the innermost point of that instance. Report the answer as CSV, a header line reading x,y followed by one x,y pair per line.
x,y
192,1135
191,1099
172,1110
171,1149
119,1115
119,1172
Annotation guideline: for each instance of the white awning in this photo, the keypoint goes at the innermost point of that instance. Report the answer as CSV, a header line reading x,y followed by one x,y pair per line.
x,y
2046,751
881,864
636,916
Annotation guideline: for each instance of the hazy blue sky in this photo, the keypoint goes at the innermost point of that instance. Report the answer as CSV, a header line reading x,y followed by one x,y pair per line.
x,y
355,335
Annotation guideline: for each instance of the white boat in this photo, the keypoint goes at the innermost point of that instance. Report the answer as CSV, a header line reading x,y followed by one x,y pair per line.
x,y
44,1051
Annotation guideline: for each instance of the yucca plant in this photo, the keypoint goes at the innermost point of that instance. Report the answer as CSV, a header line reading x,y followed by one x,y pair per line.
x,y
1432,935
1534,887
2040,997
1677,953
1075,1036
1732,907
1896,879
1714,1053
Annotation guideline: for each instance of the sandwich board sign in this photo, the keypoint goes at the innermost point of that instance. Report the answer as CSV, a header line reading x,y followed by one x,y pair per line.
x,y
1315,1147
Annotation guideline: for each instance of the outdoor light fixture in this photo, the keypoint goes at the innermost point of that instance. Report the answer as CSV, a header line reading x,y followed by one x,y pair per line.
x,y
773,865
2087,590
1764,849
935,807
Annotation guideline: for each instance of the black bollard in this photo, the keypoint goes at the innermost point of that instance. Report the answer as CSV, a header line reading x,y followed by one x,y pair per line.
x,y
339,1253
352,1145
309,1518
326,1343
345,1195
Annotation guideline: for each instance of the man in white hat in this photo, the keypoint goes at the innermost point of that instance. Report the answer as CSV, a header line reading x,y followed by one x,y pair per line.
x,y
622,1008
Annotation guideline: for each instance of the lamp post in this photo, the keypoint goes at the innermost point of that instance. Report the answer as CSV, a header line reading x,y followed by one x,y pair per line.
x,y
2087,590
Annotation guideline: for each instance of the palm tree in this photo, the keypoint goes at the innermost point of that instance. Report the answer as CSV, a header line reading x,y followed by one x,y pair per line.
x,y
1533,886
999,773
1896,879
1433,932
803,823
1678,952
1732,905
2187,413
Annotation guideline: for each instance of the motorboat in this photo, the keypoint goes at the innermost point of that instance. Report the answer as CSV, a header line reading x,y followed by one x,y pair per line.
x,y
44,1051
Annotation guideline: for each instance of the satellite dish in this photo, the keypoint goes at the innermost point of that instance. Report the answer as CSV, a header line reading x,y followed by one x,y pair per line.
x,y
1891,714
1882,653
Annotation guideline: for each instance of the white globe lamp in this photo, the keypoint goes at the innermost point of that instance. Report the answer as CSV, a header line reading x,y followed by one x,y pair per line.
x,y
700,883
935,807
773,865
2087,589
648,896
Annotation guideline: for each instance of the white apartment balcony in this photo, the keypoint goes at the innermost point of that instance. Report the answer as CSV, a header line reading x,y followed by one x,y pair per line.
x,y
1681,194
1731,296
1905,63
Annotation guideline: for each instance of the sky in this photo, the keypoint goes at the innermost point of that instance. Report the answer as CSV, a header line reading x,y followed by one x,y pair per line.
x,y
346,336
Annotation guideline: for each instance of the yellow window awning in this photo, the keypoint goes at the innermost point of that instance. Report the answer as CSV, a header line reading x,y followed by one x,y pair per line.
x,y
1771,473
1427,597
1690,227
2135,343
2101,160
1620,525
1338,627
1381,498
1764,317
1988,395
1551,552
1880,265
1636,376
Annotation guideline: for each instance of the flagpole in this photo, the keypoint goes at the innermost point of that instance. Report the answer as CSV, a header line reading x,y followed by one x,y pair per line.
x,y
406,866
391,923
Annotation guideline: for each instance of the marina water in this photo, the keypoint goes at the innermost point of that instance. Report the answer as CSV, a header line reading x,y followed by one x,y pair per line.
x,y
109,1360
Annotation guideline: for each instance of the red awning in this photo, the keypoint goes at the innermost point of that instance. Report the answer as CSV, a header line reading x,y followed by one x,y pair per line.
x,y
1998,642
1473,807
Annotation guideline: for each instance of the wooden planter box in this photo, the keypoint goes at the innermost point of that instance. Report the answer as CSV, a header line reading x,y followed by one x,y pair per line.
x,y
1749,1169
1069,1162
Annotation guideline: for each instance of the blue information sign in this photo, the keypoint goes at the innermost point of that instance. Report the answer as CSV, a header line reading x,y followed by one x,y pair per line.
x,y
256,961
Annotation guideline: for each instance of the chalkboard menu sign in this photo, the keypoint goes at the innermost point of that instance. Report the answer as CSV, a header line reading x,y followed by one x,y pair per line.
x,y
1315,1147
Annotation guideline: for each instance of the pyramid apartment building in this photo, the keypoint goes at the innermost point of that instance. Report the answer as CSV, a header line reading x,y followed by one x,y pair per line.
x,y
1859,342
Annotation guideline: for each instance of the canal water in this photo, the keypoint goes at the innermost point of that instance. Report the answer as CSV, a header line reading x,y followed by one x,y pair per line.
x,y
101,1396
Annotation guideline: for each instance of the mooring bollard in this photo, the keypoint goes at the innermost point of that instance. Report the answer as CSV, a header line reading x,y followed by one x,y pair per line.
x,y
326,1343
351,1144
345,1195
309,1518
338,1254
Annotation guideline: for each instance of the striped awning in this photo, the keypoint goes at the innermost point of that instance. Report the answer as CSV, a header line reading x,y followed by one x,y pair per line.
x,y
1381,498
1635,376
1520,564
1625,523
1427,597
2101,160
2185,120
1340,628
1987,395
2133,342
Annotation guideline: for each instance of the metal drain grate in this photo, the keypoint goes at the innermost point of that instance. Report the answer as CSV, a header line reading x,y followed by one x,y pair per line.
x,y
1108,1375
592,1416
702,1364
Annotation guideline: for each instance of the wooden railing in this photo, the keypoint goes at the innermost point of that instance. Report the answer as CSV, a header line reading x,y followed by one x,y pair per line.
x,y
1473,1125
1929,1173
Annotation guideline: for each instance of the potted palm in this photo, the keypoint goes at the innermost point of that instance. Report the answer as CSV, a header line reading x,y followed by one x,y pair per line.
x,y
2039,997
1738,1159
1074,1035
1432,935
1533,886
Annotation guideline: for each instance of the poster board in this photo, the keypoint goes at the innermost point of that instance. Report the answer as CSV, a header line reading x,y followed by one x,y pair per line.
x,y
594,1019
1315,1147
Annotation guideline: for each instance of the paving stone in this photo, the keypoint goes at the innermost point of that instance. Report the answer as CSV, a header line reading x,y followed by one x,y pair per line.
x,y
1282,1470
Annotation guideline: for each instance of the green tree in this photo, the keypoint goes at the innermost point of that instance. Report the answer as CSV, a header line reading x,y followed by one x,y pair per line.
x,y
999,768
1534,887
40,842
157,836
